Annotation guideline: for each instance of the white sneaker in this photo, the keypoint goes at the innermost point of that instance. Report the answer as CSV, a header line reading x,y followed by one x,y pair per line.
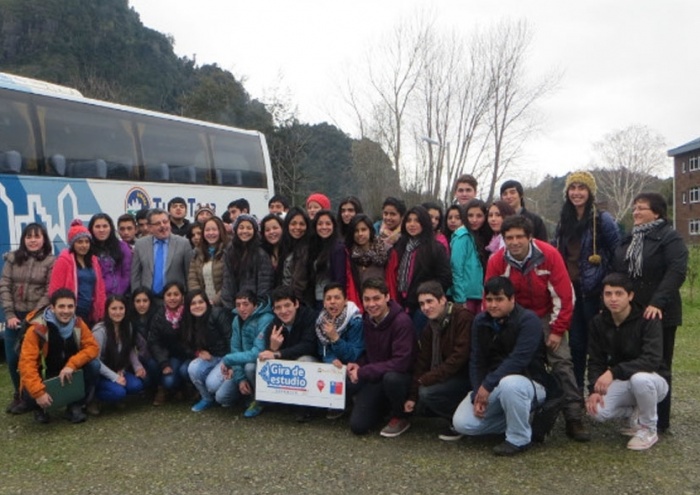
x,y
643,439
632,426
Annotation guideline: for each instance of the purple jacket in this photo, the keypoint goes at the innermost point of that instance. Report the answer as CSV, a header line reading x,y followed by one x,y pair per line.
x,y
389,345
117,278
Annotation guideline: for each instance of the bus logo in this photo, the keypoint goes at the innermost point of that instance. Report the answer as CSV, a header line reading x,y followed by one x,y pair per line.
x,y
136,199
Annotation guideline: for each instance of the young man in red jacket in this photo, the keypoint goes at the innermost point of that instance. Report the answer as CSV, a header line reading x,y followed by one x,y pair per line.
x,y
542,285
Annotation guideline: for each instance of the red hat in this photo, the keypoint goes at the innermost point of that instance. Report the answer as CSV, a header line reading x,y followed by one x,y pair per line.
x,y
76,231
321,199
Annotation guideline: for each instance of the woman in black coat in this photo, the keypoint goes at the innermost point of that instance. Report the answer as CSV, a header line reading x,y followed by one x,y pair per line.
x,y
655,257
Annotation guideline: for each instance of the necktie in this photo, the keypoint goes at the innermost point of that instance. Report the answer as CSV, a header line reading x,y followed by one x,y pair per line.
x,y
158,281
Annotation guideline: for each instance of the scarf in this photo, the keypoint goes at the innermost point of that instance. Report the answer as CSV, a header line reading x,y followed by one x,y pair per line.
x,y
405,264
341,322
174,316
495,244
375,255
64,331
633,257
389,237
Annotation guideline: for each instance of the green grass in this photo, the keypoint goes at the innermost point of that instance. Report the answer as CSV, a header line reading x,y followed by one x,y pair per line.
x,y
170,450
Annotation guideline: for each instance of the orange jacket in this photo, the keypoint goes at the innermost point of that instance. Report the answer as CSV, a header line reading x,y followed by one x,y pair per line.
x,y
36,344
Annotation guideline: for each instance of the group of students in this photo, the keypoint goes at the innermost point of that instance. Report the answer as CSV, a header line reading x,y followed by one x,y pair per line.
x,y
186,309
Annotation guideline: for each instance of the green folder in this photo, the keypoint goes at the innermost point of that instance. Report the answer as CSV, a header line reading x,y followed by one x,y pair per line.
x,y
67,393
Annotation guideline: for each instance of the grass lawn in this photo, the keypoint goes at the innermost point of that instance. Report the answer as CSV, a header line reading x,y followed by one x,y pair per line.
x,y
170,450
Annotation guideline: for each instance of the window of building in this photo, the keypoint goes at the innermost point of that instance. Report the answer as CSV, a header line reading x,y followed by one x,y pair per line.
x,y
683,167
694,226
693,164
684,199
694,194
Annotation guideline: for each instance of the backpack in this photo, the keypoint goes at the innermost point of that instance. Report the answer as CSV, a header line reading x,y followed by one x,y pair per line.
x,y
544,415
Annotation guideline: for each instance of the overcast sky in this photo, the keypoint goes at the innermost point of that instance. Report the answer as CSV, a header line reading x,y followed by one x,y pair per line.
x,y
623,61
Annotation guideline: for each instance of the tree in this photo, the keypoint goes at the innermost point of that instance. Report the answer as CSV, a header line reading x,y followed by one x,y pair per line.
x,y
627,160
469,100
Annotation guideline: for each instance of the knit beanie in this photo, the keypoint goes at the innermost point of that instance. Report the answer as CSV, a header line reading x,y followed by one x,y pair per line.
x,y
245,217
581,177
321,199
76,231
205,207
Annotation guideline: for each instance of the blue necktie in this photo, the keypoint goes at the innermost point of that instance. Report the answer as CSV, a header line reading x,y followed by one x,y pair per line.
x,y
158,281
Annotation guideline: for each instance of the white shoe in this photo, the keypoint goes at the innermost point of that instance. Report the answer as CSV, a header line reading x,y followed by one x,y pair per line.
x,y
643,439
632,426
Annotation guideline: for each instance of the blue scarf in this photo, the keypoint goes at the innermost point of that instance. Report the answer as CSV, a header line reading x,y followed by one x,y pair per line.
x,y
65,331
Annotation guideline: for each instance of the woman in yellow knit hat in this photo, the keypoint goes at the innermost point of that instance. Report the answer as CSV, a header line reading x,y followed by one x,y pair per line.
x,y
587,239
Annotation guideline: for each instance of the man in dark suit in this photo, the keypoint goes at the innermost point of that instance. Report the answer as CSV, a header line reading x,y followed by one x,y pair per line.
x,y
160,257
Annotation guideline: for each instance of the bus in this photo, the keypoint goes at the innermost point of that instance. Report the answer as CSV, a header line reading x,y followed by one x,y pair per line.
x,y
64,156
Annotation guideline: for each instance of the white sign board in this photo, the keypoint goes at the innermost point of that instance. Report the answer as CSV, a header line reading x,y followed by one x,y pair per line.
x,y
302,383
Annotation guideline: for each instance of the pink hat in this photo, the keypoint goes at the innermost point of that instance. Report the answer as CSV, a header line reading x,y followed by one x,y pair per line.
x,y
321,199
76,231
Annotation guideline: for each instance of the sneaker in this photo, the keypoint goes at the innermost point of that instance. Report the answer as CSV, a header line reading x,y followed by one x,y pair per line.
x,y
254,409
507,449
202,405
75,414
632,426
643,439
395,427
41,416
17,406
576,430
449,434
335,414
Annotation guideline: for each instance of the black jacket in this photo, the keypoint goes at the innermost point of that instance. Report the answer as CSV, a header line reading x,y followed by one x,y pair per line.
x,y
301,341
219,326
636,345
539,229
664,266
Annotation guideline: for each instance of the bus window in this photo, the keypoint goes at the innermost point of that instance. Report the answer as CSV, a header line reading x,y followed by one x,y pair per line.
x,y
95,142
238,159
182,148
16,135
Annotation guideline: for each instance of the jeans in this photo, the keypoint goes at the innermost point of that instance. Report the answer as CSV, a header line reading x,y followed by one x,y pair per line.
x,y
372,399
174,380
153,373
206,376
642,391
228,392
508,411
443,398
584,311
109,391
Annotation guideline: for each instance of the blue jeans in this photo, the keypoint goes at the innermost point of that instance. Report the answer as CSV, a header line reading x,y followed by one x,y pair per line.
x,y
508,411
109,391
205,377
585,309
229,393
174,380
153,373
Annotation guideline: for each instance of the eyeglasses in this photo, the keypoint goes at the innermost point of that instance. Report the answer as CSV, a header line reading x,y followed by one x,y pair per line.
x,y
156,224
640,208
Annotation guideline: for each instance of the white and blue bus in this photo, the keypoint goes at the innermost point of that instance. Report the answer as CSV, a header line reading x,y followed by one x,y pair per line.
x,y
63,156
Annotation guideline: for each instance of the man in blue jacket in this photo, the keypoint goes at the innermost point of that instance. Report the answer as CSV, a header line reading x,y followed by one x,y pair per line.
x,y
506,369
381,378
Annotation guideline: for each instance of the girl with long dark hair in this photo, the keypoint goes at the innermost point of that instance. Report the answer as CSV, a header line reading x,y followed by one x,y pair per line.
x,y
114,255
121,371
211,330
416,258
347,209
247,265
295,253
366,256
326,255
24,288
